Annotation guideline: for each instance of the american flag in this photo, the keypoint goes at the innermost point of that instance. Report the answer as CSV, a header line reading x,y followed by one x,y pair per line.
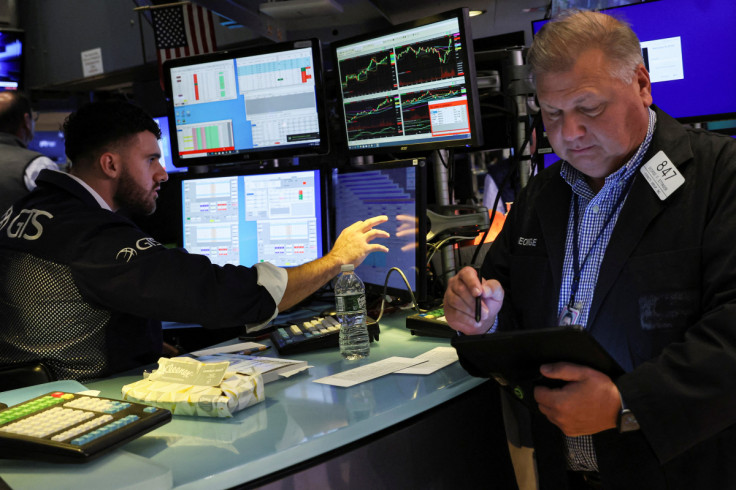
x,y
182,30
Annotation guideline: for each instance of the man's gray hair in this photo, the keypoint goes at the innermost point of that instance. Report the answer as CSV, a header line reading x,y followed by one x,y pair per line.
x,y
560,42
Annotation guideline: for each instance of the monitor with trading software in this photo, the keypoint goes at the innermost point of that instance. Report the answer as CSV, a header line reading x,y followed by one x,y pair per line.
x,y
398,190
11,59
250,218
410,89
246,104
688,48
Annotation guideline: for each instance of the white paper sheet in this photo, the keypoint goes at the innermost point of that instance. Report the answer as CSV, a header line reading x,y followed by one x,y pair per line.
x,y
368,372
436,358
248,347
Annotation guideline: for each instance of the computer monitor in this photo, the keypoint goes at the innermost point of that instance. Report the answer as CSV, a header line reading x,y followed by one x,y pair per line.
x,y
164,143
688,49
410,89
246,104
252,218
398,190
51,144
11,59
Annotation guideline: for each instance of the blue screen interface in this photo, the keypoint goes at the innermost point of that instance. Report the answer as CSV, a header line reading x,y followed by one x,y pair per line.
x,y
387,191
11,53
247,219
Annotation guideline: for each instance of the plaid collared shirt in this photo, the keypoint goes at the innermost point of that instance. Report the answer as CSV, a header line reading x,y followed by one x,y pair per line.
x,y
595,210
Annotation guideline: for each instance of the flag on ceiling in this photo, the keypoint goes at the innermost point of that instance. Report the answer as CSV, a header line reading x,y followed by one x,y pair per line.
x,y
182,30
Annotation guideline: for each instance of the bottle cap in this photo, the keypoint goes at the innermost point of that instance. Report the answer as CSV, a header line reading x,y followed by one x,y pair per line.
x,y
347,267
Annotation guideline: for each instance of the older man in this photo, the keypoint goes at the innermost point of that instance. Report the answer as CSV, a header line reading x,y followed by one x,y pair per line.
x,y
631,236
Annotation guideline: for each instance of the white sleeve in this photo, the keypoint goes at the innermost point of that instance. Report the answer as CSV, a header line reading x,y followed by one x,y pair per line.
x,y
274,279
35,167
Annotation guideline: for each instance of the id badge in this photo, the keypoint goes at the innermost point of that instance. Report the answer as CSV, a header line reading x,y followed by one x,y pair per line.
x,y
569,316
662,175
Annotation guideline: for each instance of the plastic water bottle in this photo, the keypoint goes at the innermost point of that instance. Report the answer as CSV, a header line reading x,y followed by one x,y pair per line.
x,y
350,307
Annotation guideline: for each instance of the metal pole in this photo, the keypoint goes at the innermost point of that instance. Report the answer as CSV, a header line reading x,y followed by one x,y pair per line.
x,y
442,191
523,157
143,39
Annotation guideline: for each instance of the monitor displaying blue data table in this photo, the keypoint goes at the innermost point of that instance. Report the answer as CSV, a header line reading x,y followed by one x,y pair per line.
x,y
247,104
688,50
260,217
11,59
398,190
164,144
410,89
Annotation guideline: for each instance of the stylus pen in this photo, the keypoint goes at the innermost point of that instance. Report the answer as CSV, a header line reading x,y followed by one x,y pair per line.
x,y
478,299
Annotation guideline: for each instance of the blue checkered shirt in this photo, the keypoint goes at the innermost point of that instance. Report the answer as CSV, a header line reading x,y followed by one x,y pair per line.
x,y
594,211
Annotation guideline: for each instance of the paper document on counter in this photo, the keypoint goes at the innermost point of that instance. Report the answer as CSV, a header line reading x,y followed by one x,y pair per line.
x,y
369,371
270,368
243,348
436,358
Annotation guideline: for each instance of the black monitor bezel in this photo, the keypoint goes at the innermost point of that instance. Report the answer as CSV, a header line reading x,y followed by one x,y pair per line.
x,y
421,280
253,155
168,122
324,197
21,36
407,149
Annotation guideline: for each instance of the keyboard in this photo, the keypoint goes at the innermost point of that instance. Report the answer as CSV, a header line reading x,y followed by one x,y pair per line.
x,y
312,333
430,323
72,428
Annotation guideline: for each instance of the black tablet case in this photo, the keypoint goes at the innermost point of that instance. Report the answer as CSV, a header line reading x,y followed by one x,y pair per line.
x,y
514,358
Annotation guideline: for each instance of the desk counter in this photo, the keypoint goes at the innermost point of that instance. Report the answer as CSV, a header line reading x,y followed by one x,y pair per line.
x,y
338,437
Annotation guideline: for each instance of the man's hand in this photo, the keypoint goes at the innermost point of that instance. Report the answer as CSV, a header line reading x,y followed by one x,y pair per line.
x,y
353,245
589,403
462,290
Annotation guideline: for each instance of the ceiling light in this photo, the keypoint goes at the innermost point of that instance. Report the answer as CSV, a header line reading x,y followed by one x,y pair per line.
x,y
291,9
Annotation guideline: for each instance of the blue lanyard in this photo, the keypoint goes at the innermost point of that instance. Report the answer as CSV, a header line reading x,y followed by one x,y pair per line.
x,y
576,266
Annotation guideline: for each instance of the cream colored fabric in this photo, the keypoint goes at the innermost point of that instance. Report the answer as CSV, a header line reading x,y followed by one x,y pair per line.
x,y
525,466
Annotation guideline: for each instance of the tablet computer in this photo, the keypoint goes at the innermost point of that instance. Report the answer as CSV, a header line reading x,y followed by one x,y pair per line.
x,y
514,358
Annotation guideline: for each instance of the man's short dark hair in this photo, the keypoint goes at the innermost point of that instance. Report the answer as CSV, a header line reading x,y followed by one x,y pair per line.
x,y
102,126
12,115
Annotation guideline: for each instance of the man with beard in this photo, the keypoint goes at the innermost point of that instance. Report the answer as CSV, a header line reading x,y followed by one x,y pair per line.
x,y
83,289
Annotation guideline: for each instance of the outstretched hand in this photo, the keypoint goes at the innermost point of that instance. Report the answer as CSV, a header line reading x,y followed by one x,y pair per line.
x,y
354,243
